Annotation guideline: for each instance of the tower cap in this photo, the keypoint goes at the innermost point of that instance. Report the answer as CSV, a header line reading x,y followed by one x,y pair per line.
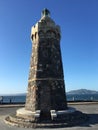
x,y
45,12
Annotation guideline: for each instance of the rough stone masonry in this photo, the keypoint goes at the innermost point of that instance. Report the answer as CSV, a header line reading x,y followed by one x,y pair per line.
x,y
46,89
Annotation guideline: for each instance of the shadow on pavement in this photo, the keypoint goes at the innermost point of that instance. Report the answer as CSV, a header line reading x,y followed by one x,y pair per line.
x,y
92,120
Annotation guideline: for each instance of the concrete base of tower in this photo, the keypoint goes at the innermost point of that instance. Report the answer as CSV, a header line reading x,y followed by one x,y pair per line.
x,y
28,115
38,119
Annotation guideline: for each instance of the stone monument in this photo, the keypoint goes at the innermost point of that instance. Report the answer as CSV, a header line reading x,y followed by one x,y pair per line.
x,y
46,89
46,103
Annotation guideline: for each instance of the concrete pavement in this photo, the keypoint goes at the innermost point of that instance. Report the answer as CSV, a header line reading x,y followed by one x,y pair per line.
x,y
90,109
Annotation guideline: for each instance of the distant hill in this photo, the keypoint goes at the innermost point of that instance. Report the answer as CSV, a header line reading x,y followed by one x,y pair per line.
x,y
79,91
82,91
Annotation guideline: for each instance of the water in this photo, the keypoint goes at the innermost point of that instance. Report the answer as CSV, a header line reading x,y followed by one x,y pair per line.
x,y
14,99
82,97
70,97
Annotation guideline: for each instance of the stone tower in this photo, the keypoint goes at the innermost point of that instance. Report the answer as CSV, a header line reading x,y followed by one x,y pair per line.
x,y
46,89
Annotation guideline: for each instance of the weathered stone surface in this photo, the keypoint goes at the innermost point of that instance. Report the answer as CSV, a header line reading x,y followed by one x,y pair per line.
x,y
46,89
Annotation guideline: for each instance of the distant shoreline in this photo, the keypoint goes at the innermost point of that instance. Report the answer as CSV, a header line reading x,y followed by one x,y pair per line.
x,y
3,105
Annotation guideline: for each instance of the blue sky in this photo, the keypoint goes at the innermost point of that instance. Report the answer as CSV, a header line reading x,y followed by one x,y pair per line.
x,y
79,43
